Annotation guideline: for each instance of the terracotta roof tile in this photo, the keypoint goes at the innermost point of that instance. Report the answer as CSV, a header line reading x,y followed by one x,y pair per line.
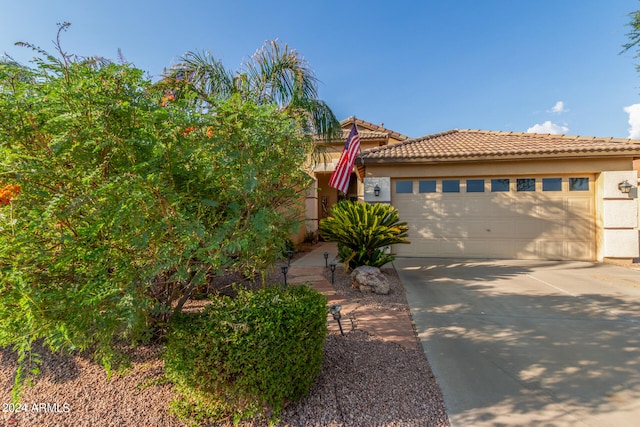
x,y
368,126
364,134
459,145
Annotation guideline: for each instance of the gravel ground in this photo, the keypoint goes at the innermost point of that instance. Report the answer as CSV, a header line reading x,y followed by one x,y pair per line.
x,y
363,382
394,300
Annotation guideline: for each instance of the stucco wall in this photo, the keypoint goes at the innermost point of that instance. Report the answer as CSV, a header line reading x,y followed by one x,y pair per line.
x,y
618,216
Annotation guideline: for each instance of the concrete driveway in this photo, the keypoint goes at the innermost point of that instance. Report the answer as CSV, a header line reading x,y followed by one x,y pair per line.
x,y
529,343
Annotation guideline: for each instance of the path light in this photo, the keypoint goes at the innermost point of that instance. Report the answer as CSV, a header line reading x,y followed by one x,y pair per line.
x,y
325,254
284,269
334,310
624,187
333,271
289,255
376,190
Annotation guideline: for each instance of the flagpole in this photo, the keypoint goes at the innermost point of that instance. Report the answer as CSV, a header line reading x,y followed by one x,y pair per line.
x,y
359,151
355,119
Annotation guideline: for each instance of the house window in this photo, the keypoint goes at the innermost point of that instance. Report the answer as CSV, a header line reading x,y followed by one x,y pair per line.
x,y
450,185
404,187
498,185
578,184
551,184
526,184
427,186
475,186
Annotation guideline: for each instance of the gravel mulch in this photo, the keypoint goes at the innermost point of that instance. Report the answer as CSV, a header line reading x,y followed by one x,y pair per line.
x,y
394,300
364,382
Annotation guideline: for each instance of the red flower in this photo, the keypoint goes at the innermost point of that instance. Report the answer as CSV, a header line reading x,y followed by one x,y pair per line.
x,y
168,96
8,193
188,130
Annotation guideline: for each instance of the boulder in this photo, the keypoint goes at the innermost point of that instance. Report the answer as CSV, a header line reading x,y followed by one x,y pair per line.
x,y
369,279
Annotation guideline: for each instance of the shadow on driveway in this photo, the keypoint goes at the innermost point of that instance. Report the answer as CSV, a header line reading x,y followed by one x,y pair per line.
x,y
535,343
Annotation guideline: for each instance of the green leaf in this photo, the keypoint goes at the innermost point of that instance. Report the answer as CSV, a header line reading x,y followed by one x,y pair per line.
x,y
362,231
210,202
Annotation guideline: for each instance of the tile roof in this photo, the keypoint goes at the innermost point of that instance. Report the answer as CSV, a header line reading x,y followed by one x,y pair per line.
x,y
470,145
370,128
364,135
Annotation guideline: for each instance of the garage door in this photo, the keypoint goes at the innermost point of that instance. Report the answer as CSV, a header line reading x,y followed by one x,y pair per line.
x,y
541,217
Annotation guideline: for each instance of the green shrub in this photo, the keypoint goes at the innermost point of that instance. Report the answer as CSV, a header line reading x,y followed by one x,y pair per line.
x,y
289,246
119,197
246,356
362,231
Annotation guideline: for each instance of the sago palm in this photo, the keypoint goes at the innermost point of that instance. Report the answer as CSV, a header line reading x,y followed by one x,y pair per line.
x,y
363,231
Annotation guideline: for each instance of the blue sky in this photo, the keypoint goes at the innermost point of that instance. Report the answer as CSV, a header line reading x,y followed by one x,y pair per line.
x,y
419,67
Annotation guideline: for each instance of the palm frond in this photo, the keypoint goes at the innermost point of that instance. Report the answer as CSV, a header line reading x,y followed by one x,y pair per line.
x,y
275,74
320,120
203,73
279,74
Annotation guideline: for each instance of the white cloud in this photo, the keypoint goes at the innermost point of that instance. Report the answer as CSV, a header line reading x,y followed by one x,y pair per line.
x,y
634,120
548,127
559,108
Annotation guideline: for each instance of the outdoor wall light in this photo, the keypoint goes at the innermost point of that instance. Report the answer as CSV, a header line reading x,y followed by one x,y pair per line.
x,y
333,271
376,190
325,254
334,310
284,269
624,187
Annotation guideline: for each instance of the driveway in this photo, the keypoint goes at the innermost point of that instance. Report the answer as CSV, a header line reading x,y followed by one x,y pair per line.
x,y
530,343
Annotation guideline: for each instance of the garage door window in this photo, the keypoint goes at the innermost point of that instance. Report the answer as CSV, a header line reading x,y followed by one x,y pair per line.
x,y
498,185
450,185
475,186
526,184
578,184
427,186
404,187
551,184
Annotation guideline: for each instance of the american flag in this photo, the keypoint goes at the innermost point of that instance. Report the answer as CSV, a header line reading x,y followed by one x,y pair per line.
x,y
341,175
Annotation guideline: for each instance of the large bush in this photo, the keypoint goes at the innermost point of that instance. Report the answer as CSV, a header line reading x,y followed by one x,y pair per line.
x,y
121,196
246,356
363,231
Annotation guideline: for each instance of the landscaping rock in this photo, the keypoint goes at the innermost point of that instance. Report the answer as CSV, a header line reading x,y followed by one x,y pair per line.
x,y
369,279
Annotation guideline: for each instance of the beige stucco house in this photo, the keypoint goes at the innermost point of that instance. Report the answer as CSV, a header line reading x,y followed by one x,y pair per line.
x,y
320,196
483,194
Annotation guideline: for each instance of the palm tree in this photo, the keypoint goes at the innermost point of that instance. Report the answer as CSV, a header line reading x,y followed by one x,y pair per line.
x,y
275,74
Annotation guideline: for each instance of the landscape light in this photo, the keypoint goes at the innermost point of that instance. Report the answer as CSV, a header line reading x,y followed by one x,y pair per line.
x,y
333,270
284,269
334,310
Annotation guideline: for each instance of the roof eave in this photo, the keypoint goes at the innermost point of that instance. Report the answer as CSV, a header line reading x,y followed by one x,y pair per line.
x,y
476,159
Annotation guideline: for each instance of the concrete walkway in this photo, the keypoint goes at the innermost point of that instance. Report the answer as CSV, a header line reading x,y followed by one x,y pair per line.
x,y
529,343
388,325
